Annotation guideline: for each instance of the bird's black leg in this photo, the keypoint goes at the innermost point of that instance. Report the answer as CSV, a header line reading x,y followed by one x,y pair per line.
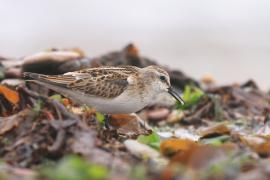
x,y
106,121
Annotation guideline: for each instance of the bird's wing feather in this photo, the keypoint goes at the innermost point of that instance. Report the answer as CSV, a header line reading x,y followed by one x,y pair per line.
x,y
105,82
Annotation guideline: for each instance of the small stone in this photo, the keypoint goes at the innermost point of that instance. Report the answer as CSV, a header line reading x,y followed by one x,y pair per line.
x,y
185,134
208,79
158,114
140,150
175,116
48,62
12,82
165,135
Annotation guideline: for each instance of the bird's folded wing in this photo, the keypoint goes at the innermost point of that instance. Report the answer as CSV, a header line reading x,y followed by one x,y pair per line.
x,y
104,84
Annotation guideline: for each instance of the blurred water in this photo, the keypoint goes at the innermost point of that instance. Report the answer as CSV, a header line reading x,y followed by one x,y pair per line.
x,y
229,39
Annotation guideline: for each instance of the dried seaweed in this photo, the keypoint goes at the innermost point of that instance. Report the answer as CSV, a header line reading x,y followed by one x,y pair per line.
x,y
222,132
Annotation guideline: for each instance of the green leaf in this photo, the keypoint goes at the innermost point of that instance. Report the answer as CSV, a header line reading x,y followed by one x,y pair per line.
x,y
216,141
2,72
97,172
85,108
38,106
225,166
218,110
138,172
56,97
74,167
191,96
100,118
152,140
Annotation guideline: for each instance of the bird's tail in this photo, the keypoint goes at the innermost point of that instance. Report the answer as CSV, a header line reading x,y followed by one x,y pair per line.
x,y
30,75
41,80
49,79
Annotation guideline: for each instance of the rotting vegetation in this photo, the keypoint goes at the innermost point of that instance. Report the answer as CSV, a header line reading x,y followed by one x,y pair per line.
x,y
220,133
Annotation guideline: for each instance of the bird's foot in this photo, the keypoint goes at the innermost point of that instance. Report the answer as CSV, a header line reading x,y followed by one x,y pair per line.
x,y
107,121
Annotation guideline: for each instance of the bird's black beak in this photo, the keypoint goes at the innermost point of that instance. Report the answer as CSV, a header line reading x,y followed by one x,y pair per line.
x,y
175,95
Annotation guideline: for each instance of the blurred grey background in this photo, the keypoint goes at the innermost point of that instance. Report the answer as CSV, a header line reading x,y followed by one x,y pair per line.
x,y
228,39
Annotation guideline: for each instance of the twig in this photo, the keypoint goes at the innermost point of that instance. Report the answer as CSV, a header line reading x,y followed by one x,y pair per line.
x,y
60,138
60,108
63,110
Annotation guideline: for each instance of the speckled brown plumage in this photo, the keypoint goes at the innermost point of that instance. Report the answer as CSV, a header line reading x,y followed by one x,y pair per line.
x,y
106,82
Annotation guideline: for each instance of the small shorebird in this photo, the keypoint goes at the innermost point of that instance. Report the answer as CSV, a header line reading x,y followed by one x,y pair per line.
x,y
110,90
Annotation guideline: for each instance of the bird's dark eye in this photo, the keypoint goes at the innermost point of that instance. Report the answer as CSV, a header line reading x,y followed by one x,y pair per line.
x,y
162,78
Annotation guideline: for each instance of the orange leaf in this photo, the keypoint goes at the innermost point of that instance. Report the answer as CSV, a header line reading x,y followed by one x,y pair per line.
x,y
11,95
119,120
263,149
200,156
171,146
66,101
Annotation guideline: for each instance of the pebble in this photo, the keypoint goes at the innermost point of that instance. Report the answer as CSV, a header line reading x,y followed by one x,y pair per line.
x,y
185,134
140,150
12,82
158,114
175,116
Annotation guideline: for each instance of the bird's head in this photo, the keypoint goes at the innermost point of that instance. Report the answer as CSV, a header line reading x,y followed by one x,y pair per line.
x,y
160,81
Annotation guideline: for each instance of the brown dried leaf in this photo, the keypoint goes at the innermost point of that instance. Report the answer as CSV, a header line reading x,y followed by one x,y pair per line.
x,y
201,156
11,172
128,125
8,123
259,144
218,130
118,120
263,149
251,141
83,142
253,99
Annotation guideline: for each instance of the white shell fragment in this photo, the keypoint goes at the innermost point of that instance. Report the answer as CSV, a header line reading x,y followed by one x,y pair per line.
x,y
185,134
140,150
